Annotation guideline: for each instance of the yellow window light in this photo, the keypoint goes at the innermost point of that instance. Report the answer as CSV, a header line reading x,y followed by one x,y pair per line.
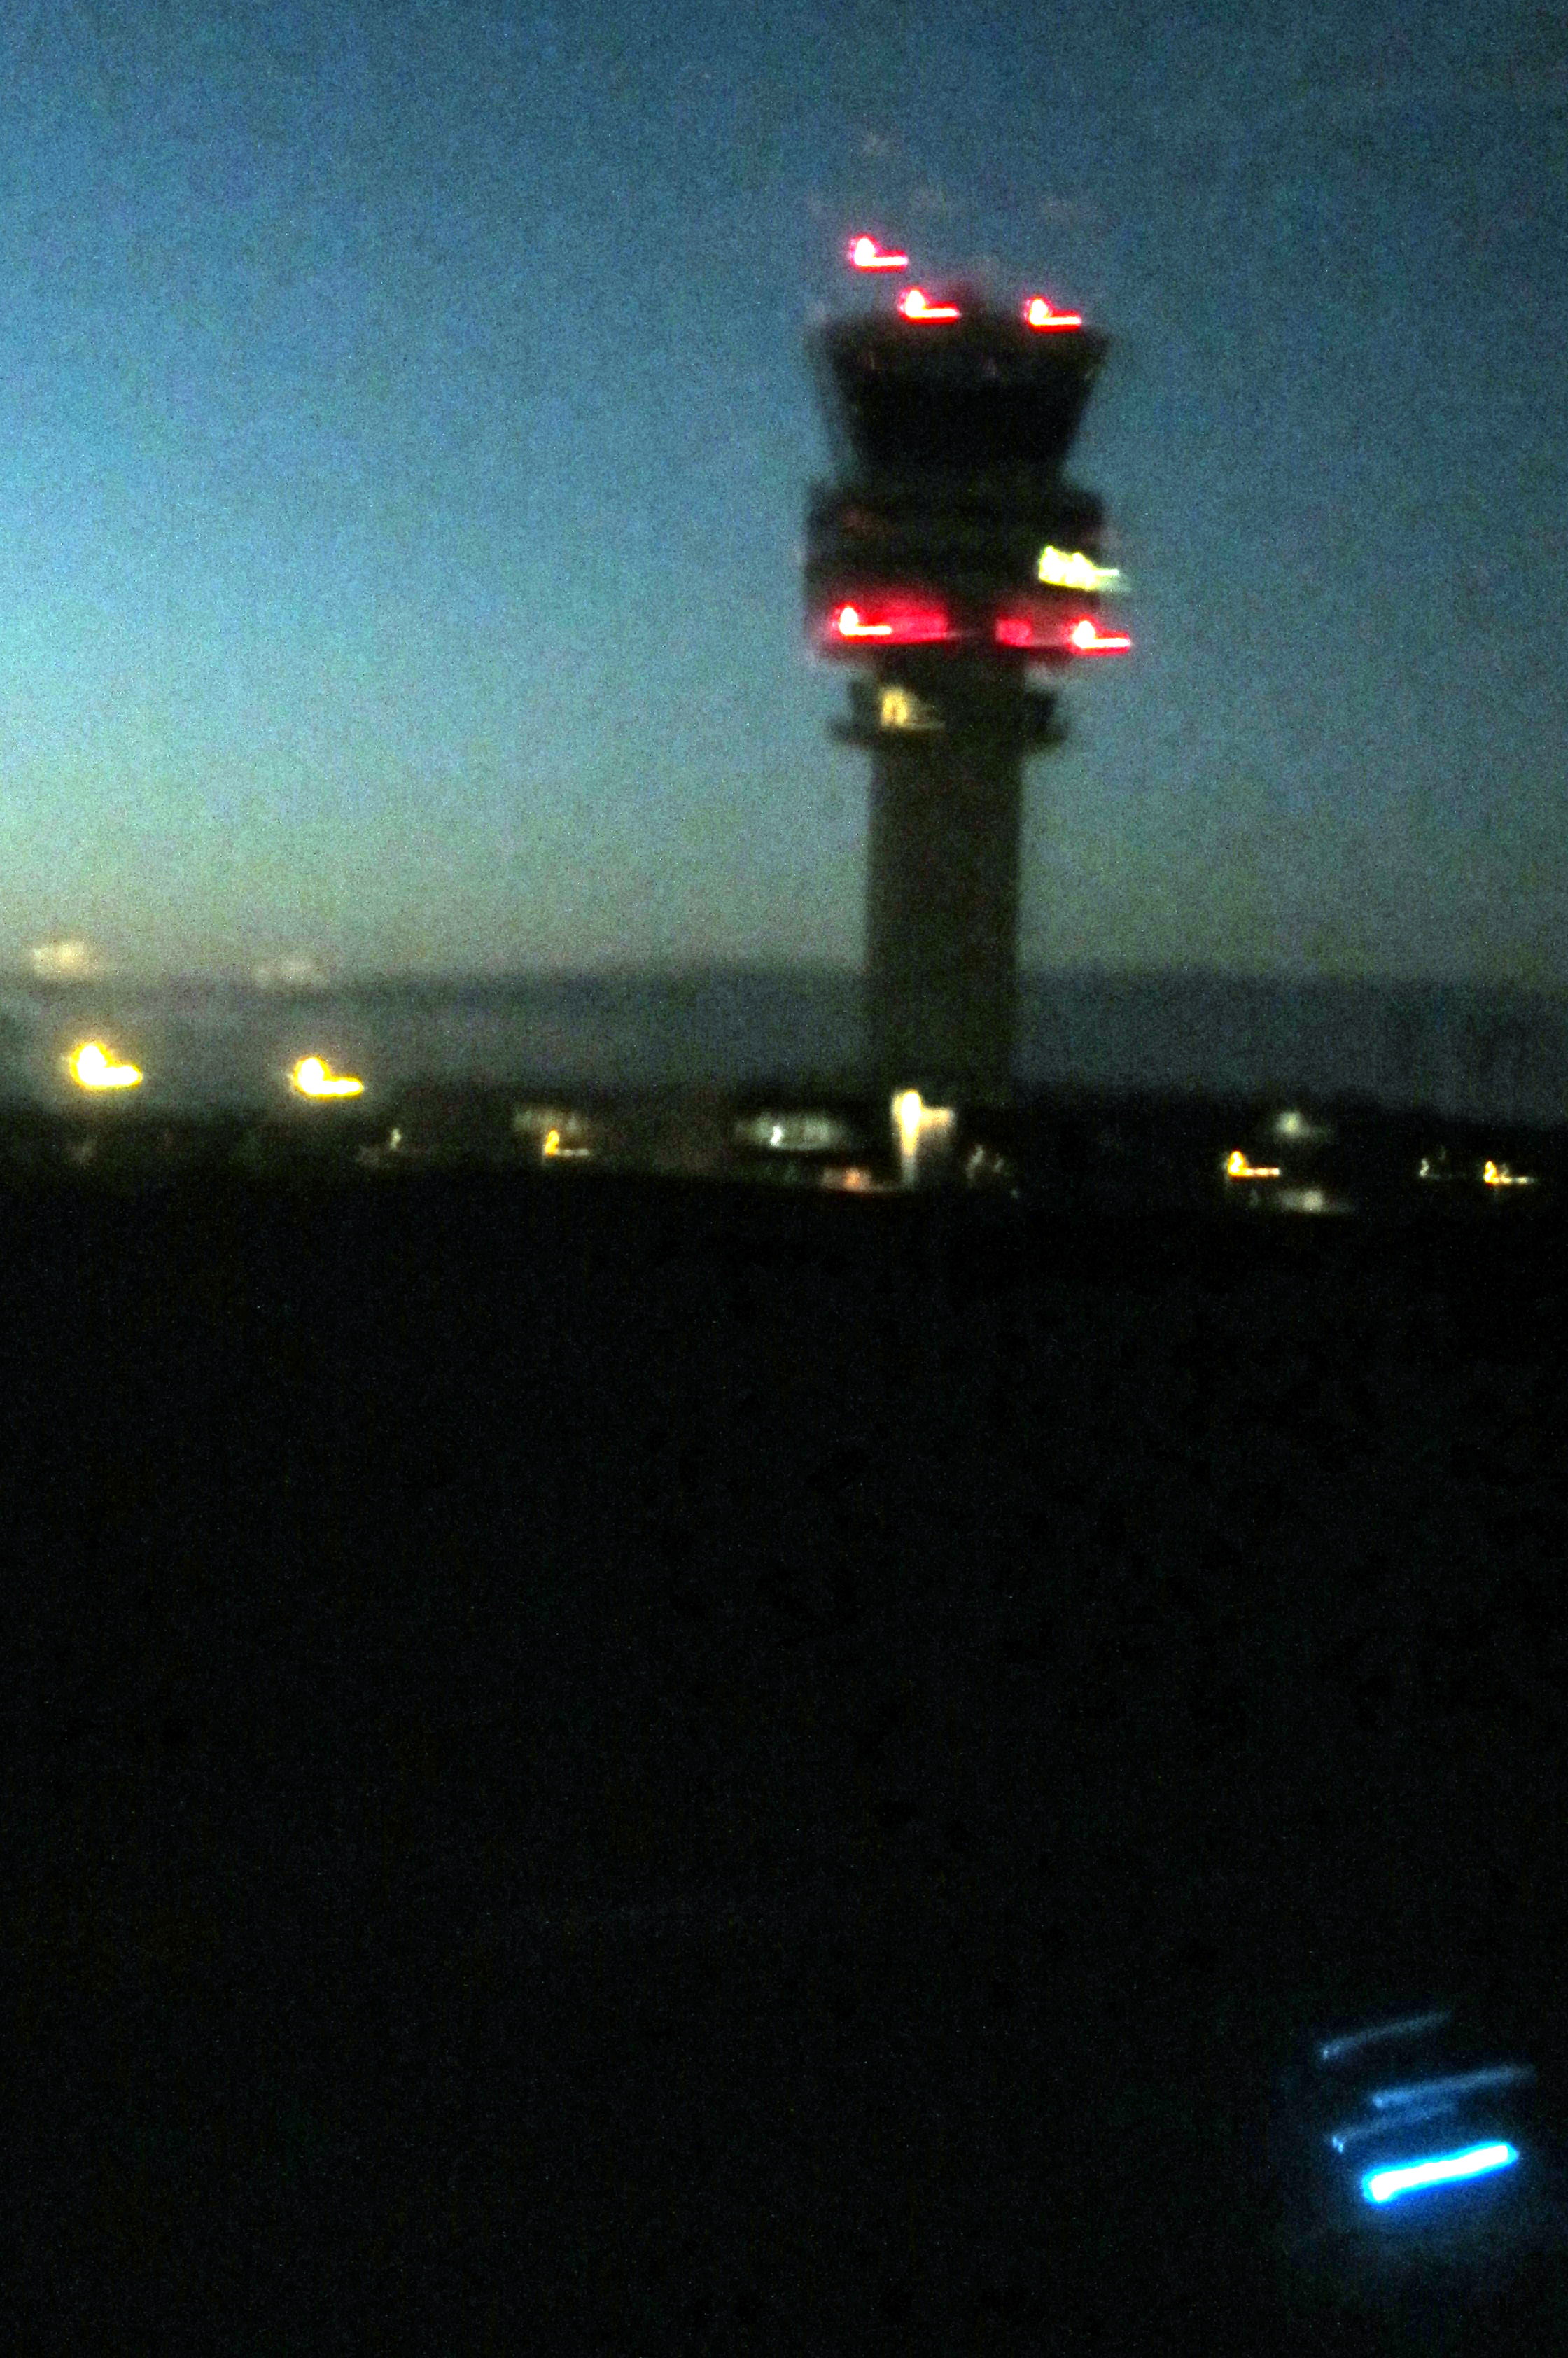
x,y
1069,569
899,709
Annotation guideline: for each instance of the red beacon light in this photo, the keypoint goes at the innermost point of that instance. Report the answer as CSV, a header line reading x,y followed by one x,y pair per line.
x,y
907,625
1054,638
865,254
1087,638
917,304
1038,313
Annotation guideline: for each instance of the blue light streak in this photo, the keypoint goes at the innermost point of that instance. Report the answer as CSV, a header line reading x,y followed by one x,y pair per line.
x,y
1409,2026
1440,2169
1458,2084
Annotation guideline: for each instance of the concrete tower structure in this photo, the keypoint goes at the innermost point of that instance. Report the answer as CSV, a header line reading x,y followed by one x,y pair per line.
x,y
946,562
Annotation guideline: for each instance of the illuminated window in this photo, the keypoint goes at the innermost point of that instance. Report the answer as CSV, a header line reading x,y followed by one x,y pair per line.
x,y
1068,569
899,709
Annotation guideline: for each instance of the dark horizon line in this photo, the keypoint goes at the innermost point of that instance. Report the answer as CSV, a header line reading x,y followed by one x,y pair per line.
x,y
356,979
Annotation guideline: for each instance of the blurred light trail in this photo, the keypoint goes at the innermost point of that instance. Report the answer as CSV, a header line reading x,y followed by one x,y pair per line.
x,y
1441,2169
312,1078
865,254
917,304
91,1068
1088,639
1038,313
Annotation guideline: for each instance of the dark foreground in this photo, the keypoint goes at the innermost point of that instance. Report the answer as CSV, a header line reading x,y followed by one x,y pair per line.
x,y
635,1767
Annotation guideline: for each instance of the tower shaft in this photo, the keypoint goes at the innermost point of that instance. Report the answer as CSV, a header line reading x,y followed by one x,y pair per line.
x,y
942,914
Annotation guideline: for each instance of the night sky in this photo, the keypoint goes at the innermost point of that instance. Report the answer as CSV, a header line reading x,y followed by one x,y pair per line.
x,y
406,430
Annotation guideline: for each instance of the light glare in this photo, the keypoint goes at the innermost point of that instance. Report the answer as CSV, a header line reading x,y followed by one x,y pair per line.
x,y
865,254
1087,639
1069,569
897,625
313,1079
1038,313
917,304
1441,2169
91,1068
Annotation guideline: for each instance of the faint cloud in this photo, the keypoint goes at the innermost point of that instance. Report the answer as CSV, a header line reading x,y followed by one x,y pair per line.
x,y
66,958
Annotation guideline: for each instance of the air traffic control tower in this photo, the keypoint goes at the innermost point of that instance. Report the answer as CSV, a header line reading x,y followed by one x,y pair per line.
x,y
948,562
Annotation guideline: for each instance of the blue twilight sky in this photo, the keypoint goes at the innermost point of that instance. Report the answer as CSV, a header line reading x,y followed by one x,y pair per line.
x,y
406,434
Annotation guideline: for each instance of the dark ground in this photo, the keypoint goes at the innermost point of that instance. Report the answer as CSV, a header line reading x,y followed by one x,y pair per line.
x,y
624,1767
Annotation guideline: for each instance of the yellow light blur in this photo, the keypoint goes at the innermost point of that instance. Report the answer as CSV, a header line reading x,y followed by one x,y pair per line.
x,y
1069,569
1236,1166
924,1134
313,1079
1497,1174
553,1151
899,710
91,1068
